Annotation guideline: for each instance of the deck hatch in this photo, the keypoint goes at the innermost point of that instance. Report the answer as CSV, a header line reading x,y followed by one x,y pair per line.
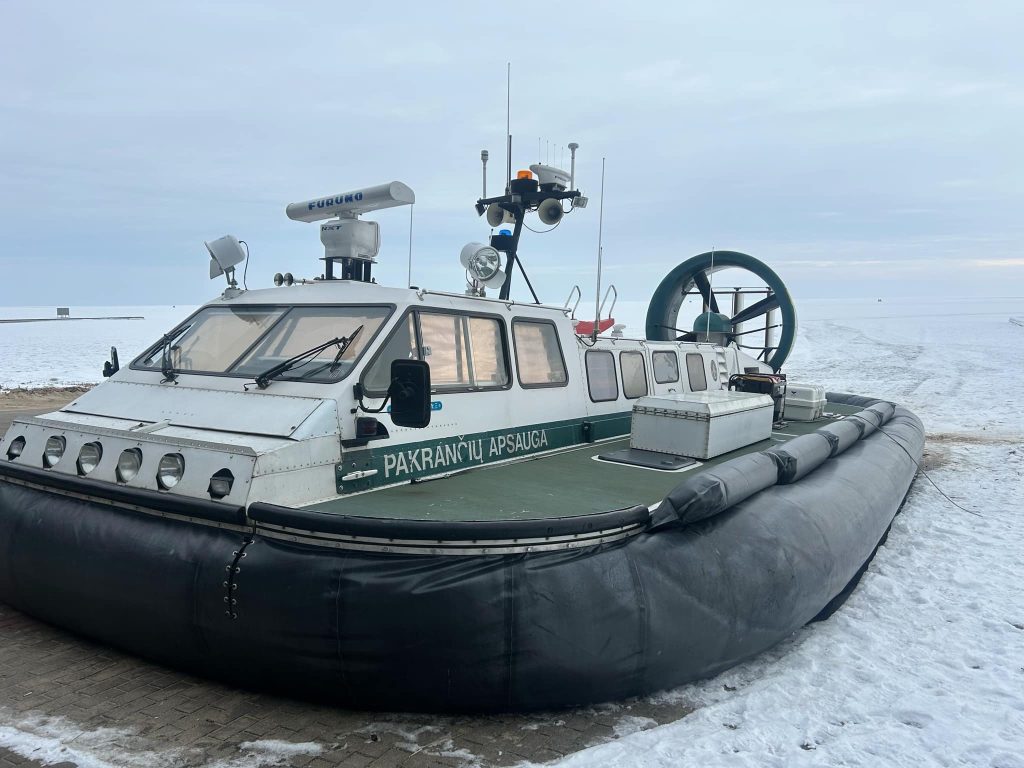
x,y
637,457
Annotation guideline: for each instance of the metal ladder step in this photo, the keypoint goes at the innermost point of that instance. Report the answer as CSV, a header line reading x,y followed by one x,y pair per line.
x,y
723,368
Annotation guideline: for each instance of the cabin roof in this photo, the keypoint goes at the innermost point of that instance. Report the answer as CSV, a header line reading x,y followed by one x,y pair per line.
x,y
356,292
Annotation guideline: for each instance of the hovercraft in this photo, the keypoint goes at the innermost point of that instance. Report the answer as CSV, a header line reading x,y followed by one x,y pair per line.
x,y
402,498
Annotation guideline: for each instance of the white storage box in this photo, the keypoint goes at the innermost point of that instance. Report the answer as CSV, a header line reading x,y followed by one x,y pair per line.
x,y
804,402
701,425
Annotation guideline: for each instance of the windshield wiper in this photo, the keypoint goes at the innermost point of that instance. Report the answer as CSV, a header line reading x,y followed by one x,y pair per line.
x,y
263,380
343,349
166,367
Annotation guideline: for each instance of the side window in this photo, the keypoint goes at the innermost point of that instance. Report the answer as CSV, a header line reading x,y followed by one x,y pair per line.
x,y
538,354
400,346
485,350
601,376
444,347
634,374
695,372
666,367
464,352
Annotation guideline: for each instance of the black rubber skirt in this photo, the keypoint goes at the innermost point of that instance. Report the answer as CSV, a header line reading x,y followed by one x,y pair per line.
x,y
732,562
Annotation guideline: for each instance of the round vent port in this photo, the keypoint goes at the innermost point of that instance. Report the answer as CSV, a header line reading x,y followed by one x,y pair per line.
x,y
89,457
16,448
220,483
54,450
128,464
172,467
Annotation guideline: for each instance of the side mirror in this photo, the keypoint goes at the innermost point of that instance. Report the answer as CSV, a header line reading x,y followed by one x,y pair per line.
x,y
410,393
113,365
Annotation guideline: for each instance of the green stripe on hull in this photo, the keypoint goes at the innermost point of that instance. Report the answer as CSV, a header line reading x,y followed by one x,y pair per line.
x,y
409,461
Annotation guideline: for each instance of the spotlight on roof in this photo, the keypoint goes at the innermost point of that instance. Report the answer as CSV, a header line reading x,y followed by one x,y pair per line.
x,y
483,263
225,253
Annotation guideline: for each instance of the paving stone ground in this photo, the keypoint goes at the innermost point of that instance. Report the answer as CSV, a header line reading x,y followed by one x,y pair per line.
x,y
107,708
66,701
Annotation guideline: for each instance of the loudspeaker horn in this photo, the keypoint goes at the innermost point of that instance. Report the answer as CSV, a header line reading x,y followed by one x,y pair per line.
x,y
495,215
550,211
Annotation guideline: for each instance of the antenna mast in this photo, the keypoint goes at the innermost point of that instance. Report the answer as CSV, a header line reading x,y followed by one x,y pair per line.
x,y
711,293
508,128
409,280
600,235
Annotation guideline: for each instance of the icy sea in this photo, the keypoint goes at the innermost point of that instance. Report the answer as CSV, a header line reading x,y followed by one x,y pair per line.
x,y
64,352
924,665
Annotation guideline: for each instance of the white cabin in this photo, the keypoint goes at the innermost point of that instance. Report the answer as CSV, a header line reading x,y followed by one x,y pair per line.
x,y
508,380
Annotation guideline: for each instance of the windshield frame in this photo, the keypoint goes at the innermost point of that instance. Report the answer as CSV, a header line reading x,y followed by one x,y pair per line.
x,y
137,365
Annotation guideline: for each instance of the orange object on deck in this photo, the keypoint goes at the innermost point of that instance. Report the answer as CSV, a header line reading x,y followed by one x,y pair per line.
x,y
586,327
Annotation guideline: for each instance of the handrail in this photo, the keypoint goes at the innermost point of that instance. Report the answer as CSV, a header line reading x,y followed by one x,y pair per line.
x,y
600,311
579,295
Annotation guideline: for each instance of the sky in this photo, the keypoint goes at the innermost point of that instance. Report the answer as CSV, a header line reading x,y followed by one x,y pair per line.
x,y
860,149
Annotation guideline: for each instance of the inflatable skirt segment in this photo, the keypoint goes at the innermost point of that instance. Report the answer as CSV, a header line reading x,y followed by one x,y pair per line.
x,y
733,561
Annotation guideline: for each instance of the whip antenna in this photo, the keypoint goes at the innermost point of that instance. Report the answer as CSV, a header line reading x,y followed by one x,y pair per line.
x,y
411,208
600,235
711,293
508,128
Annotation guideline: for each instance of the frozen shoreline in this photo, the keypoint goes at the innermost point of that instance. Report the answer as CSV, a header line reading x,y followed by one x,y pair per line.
x,y
43,355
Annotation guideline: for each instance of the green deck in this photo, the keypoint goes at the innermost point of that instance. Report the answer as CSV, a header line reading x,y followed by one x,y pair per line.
x,y
564,484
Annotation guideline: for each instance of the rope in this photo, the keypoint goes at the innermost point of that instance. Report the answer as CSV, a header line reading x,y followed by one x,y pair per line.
x,y
920,468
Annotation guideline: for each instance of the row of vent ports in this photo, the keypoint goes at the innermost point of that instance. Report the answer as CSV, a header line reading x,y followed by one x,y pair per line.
x,y
169,472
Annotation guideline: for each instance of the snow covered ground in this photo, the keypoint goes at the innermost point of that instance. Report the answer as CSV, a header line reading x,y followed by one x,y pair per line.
x,y
924,665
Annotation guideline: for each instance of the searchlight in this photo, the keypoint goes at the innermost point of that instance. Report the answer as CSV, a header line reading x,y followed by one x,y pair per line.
x,y
225,252
345,237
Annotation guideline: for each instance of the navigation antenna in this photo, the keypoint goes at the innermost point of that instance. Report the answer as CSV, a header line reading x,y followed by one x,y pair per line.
x,y
508,129
483,159
711,294
412,206
600,235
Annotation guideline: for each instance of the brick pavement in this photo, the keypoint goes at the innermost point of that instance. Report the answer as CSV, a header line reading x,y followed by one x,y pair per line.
x,y
76,703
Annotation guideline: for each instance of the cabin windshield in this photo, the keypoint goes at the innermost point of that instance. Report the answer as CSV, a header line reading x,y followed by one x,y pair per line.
x,y
247,340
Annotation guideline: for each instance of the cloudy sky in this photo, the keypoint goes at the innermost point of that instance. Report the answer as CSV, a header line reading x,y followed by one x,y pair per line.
x,y
861,149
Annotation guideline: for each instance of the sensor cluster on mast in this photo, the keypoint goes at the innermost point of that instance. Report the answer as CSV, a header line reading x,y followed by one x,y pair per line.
x,y
543,188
